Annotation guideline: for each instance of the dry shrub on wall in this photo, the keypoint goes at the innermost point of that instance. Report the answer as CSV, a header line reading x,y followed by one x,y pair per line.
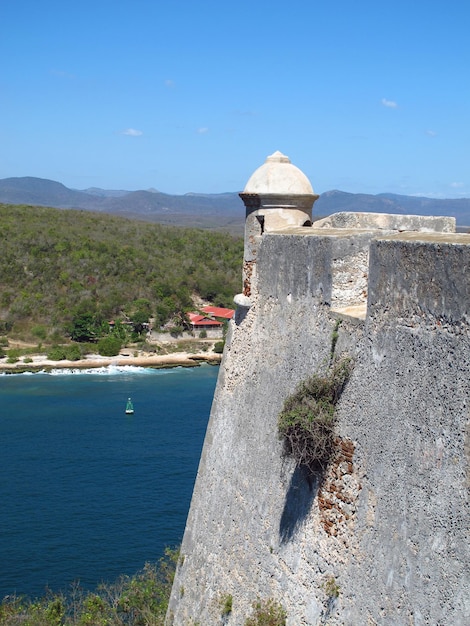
x,y
267,613
306,423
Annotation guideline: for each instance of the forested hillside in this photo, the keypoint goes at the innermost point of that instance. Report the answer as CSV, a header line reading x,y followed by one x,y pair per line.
x,y
57,267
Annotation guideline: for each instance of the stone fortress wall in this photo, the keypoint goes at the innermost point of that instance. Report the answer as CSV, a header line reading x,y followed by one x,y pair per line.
x,y
389,524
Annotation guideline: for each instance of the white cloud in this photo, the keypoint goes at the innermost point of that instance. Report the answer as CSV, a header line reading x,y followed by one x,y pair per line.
x,y
202,130
391,104
457,185
431,133
132,132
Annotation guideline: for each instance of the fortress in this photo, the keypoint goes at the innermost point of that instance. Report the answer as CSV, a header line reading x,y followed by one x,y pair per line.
x,y
382,539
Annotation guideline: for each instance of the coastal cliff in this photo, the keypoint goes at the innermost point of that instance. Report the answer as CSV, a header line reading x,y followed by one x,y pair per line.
x,y
381,537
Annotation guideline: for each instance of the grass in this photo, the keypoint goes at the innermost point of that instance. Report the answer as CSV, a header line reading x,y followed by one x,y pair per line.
x,y
226,604
331,588
267,613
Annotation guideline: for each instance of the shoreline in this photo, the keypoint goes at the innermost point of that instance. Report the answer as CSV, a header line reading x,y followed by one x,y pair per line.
x,y
92,361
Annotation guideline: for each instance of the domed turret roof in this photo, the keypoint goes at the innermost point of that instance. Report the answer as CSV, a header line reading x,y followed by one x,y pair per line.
x,y
277,175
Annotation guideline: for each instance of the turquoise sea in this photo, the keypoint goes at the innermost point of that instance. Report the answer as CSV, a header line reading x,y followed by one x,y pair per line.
x,y
86,492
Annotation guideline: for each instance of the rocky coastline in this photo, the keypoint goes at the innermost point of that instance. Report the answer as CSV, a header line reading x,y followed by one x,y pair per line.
x,y
38,363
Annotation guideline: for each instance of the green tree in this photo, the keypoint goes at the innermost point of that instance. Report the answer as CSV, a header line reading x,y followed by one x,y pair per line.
x,y
120,331
83,327
57,353
138,320
109,345
73,352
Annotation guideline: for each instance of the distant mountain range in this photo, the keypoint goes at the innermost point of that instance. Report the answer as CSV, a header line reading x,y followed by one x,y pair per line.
x,y
222,211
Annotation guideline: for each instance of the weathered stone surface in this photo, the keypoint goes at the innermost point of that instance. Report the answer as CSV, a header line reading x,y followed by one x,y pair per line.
x,y
389,523
418,276
388,221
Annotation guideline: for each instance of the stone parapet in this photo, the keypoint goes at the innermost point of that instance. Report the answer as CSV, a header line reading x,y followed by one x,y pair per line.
x,y
388,222
417,276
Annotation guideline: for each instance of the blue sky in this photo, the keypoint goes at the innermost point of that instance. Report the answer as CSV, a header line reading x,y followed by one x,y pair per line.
x,y
184,96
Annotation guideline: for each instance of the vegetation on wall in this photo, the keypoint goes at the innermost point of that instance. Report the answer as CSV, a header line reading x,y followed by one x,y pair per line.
x,y
306,422
267,613
331,587
226,605
71,272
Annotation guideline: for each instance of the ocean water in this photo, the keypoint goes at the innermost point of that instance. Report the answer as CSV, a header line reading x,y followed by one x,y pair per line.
x,y
86,492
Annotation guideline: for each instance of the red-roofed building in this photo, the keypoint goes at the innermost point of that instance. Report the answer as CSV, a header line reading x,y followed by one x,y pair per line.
x,y
217,311
207,319
198,321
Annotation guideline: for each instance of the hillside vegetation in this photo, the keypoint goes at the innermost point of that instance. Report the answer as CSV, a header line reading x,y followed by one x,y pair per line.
x,y
130,601
223,211
59,268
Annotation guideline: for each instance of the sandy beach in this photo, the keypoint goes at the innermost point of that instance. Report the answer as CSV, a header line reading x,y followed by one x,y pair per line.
x,y
142,359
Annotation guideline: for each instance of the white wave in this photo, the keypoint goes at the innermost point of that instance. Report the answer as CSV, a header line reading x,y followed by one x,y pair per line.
x,y
13,373
109,370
